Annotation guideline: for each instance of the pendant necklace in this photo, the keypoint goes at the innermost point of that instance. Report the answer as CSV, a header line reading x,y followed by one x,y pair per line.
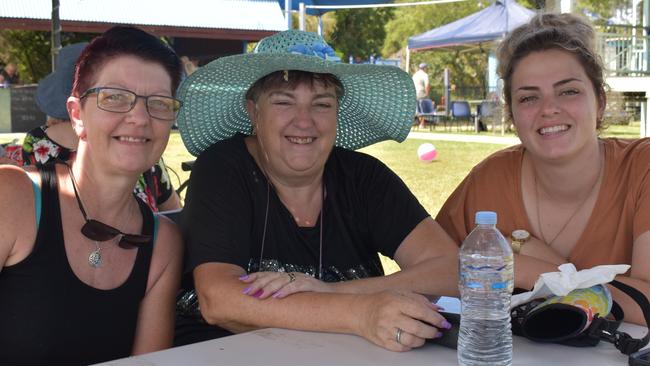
x,y
575,212
95,257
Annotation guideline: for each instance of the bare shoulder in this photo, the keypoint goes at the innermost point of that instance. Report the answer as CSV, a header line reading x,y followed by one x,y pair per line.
x,y
167,251
16,185
17,217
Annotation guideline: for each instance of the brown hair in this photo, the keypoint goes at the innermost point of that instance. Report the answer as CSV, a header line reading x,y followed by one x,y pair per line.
x,y
291,79
551,31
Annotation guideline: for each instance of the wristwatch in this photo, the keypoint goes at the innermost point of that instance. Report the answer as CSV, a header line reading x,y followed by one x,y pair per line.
x,y
519,238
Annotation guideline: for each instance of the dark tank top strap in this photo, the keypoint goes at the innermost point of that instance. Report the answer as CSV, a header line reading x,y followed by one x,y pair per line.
x,y
49,229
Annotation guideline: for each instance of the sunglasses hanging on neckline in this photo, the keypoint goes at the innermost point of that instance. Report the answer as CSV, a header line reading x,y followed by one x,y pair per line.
x,y
99,231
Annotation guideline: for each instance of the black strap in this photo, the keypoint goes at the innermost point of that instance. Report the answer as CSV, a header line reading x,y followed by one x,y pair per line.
x,y
607,330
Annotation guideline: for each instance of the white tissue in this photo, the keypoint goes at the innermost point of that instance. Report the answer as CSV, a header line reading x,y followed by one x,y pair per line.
x,y
568,279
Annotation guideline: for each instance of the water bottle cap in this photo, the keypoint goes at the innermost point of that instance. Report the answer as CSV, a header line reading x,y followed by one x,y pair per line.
x,y
486,218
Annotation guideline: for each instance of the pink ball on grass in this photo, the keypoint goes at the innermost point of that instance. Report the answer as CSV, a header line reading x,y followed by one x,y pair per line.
x,y
427,152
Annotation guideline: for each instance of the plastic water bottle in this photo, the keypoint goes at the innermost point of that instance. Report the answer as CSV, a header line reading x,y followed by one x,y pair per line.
x,y
486,282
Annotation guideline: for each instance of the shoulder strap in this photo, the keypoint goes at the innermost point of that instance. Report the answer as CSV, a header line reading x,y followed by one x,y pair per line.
x,y
607,329
37,200
156,220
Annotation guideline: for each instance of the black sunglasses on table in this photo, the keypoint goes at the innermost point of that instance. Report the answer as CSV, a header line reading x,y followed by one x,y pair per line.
x,y
99,231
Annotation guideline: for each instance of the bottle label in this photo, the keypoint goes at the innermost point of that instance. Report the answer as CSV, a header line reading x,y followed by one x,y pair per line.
x,y
493,273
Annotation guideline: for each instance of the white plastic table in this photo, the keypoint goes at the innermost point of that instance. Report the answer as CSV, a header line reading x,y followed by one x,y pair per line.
x,y
281,347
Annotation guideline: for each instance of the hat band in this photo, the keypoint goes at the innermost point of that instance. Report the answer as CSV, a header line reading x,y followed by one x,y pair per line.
x,y
320,50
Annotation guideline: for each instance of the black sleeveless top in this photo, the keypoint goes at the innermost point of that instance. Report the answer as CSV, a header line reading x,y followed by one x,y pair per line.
x,y
49,316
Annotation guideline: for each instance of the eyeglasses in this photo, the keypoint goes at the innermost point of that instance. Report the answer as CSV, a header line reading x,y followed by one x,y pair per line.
x,y
98,231
121,101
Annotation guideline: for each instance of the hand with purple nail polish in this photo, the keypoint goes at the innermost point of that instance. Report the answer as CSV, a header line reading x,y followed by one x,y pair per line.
x,y
281,284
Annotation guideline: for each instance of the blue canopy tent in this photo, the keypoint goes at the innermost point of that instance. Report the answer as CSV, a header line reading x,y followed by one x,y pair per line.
x,y
486,25
483,26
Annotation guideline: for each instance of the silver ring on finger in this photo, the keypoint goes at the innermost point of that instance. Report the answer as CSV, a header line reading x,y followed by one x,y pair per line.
x,y
398,335
292,276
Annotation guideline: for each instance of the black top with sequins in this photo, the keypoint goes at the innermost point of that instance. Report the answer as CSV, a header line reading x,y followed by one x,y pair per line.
x,y
367,209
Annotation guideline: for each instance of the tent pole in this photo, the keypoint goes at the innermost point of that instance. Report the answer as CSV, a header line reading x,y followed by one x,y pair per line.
x,y
287,13
301,19
408,58
56,33
447,91
320,25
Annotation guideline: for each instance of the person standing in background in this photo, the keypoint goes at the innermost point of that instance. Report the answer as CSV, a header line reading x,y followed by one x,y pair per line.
x,y
421,81
9,75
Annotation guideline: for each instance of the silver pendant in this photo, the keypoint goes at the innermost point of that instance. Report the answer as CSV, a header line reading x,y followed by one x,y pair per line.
x,y
95,258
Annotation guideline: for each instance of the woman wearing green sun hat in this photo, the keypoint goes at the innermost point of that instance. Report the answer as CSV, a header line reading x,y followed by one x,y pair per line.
x,y
283,220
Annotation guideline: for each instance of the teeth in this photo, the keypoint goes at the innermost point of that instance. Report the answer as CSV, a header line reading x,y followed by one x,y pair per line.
x,y
553,129
131,139
301,140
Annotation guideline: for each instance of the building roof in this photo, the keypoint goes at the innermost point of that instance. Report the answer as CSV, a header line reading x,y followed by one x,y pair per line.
x,y
223,19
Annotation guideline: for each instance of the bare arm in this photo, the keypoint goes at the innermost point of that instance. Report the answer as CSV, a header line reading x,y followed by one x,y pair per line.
x,y
7,235
6,160
18,225
534,259
155,328
537,258
428,259
639,279
372,316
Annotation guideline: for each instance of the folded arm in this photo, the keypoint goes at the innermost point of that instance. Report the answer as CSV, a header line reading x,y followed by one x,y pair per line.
x,y
639,278
373,316
428,260
535,258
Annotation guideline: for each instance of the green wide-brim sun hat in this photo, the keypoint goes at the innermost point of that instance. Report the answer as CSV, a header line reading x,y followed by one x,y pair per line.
x,y
378,102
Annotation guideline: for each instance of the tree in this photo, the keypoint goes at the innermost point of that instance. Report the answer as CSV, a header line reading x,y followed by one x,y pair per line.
x,y
602,9
30,50
360,32
467,68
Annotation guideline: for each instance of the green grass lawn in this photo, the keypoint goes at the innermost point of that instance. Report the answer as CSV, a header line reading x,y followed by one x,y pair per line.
x,y
431,182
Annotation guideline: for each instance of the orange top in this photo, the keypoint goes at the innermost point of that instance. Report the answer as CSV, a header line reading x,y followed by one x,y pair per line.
x,y
621,212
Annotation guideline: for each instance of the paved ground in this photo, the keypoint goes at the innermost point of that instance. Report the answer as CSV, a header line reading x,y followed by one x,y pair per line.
x,y
487,138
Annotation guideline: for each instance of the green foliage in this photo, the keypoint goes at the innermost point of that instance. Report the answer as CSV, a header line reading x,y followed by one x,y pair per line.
x,y
30,50
412,20
467,68
360,32
603,9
